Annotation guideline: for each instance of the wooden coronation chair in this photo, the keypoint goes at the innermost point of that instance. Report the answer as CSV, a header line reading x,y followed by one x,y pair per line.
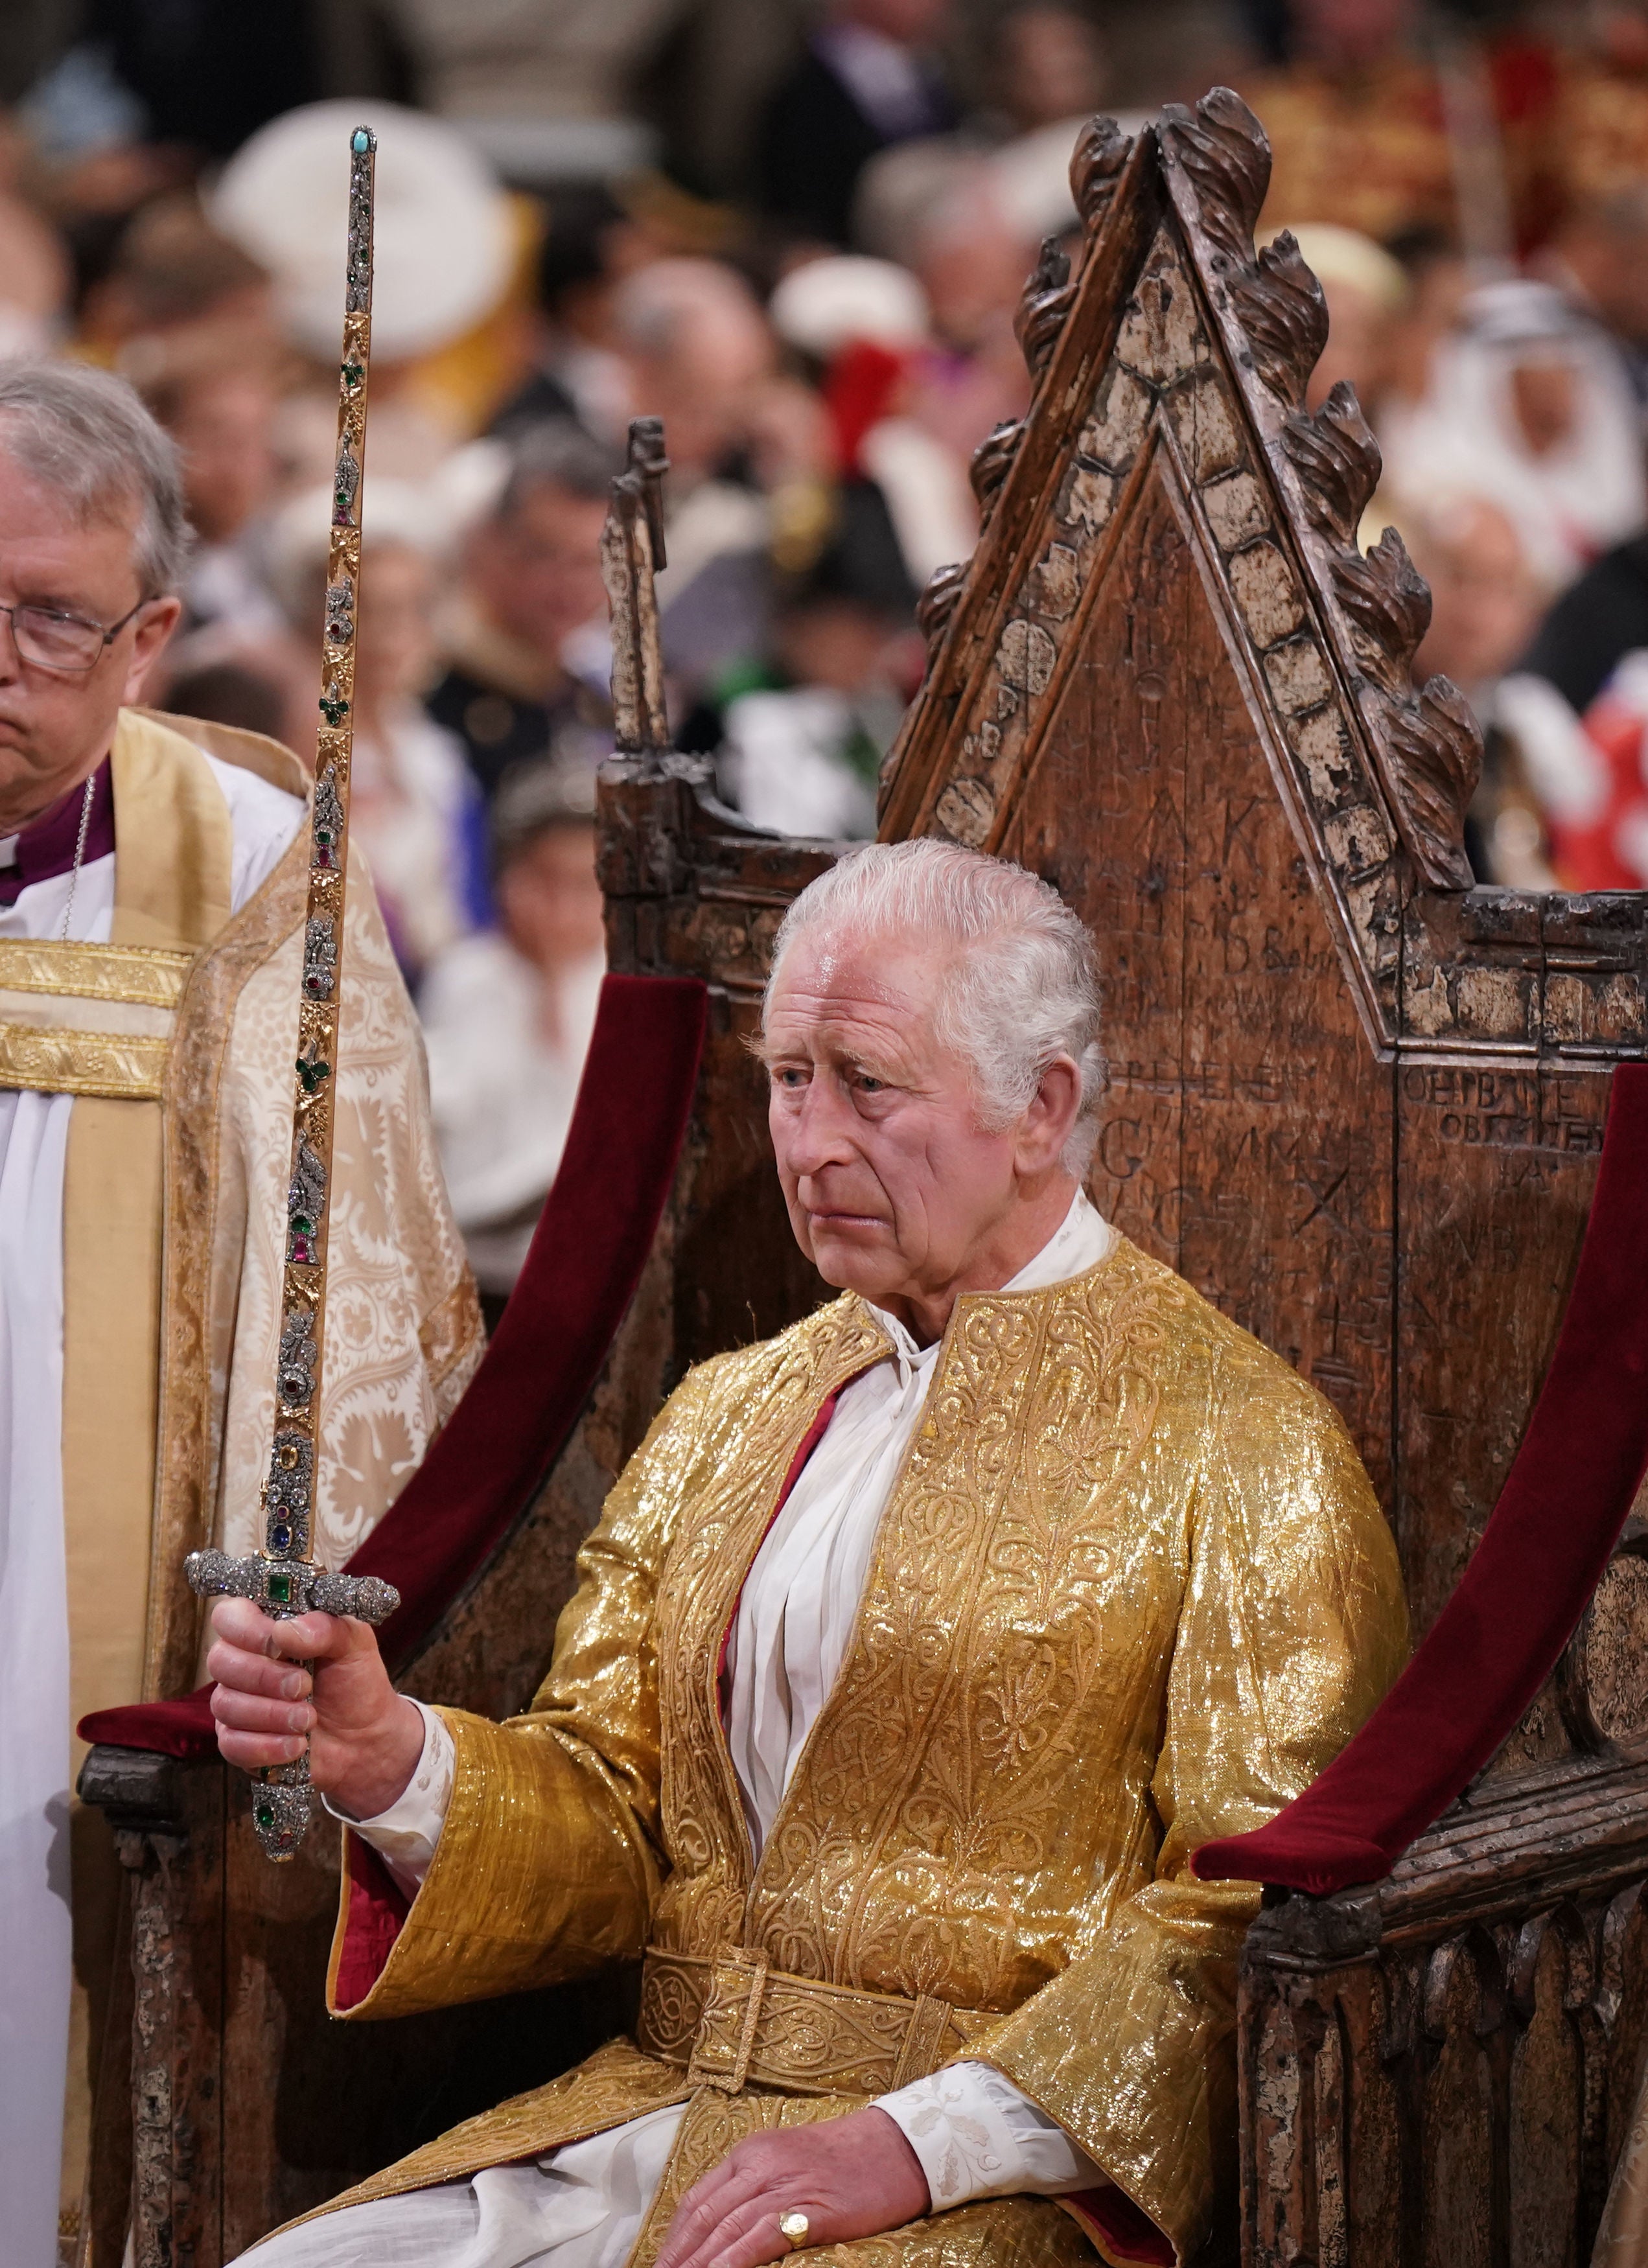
x,y
1358,1101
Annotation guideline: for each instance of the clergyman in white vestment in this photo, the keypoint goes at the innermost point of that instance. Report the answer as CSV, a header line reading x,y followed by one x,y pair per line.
x,y
132,852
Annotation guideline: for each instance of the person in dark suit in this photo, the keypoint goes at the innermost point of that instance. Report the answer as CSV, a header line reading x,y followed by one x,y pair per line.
x,y
532,578
865,82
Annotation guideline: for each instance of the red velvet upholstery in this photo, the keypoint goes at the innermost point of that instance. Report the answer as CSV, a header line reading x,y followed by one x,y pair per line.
x,y
1120,2229
1559,1515
377,1907
484,1469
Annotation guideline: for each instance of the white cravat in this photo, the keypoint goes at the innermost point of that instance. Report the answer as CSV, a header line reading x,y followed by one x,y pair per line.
x,y
972,2131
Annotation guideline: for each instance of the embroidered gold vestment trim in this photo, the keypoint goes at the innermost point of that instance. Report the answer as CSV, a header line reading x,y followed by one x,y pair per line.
x,y
142,976
90,1019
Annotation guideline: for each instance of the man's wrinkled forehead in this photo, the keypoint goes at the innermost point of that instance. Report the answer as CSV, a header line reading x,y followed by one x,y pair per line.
x,y
829,981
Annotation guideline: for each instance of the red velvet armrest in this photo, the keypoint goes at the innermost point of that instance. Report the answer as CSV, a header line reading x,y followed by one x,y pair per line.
x,y
1559,1515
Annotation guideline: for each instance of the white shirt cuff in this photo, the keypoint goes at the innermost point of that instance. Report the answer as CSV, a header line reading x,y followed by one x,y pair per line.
x,y
976,2136
405,1835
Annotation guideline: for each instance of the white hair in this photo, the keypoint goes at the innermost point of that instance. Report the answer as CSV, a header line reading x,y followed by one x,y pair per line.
x,y
85,435
1023,988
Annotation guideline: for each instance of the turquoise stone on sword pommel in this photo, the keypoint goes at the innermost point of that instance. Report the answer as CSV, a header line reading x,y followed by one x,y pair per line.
x,y
360,141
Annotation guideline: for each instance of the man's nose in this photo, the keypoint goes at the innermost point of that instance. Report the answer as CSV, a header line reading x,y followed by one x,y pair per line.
x,y
818,1134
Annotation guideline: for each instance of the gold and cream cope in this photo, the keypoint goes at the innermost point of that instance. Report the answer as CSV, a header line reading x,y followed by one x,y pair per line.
x,y
283,1579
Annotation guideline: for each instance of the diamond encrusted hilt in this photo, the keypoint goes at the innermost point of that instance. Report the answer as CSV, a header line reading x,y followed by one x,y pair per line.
x,y
281,1798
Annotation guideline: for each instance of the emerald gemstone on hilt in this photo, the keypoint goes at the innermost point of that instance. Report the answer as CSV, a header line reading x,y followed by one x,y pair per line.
x,y
312,1069
264,1813
352,373
280,1587
333,708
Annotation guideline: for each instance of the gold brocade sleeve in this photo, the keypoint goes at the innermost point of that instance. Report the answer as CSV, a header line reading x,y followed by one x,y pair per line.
x,y
577,1775
1293,1626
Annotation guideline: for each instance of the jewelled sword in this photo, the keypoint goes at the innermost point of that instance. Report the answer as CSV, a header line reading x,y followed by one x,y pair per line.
x,y
283,1579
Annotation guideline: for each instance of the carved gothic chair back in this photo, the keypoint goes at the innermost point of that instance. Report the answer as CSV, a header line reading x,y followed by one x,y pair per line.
x,y
1355,1101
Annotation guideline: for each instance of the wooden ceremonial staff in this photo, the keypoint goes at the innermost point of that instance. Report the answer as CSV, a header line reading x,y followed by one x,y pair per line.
x,y
282,1579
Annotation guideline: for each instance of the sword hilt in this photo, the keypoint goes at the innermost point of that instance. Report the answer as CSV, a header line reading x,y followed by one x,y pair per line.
x,y
288,1587
284,1588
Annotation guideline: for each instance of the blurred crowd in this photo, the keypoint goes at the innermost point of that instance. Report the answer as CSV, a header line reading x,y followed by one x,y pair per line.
x,y
800,234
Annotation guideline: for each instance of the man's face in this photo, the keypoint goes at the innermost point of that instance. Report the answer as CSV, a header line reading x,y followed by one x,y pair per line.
x,y
223,430
895,1189
56,728
538,574
550,899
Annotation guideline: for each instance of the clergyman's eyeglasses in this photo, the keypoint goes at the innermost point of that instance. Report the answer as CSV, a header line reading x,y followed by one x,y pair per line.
x,y
52,640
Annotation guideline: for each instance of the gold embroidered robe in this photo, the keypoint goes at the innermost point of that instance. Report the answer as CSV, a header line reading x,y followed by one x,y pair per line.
x,y
1132,1590
174,1213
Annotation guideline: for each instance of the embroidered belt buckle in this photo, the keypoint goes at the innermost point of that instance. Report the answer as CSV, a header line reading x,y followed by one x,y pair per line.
x,y
726,2029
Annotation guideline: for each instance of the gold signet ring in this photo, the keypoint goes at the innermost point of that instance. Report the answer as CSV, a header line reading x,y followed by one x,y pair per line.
x,y
795,2229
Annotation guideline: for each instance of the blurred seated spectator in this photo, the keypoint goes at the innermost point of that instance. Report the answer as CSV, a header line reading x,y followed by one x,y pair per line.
x,y
1046,63
531,581
751,459
1530,408
446,250
1484,604
802,732
1358,121
507,1016
238,693
175,286
415,811
1598,258
866,82
1578,704
1367,294
1439,280
588,245
947,214
220,409
861,326
35,272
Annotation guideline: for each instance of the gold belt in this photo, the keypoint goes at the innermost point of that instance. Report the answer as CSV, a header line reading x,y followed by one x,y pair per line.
x,y
732,2022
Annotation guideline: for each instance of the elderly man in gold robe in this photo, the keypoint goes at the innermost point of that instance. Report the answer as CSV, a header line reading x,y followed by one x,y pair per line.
x,y
913,1656
152,895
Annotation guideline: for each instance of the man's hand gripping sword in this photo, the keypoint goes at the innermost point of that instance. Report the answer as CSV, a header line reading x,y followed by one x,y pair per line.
x,y
282,1579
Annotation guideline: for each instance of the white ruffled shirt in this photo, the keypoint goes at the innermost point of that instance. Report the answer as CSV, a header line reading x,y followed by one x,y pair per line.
x,y
974,2133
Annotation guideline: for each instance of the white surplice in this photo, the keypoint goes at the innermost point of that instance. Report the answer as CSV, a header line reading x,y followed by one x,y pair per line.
x,y
35,1729
974,2133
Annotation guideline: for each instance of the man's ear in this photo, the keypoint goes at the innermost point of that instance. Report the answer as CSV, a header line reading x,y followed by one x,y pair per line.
x,y
1046,1124
154,627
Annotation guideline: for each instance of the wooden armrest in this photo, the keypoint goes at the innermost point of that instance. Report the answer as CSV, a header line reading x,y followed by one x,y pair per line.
x,y
1461,2038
